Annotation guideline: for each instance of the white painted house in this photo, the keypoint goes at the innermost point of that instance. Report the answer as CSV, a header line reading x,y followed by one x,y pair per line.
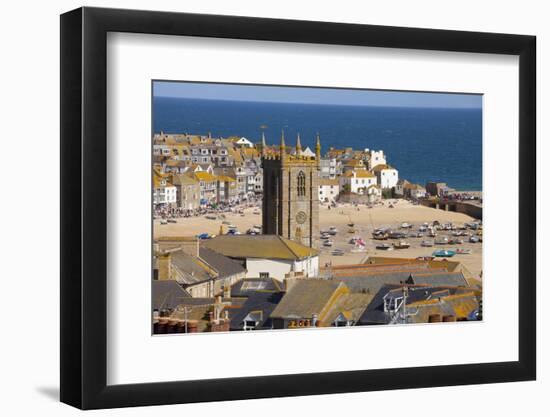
x,y
357,181
375,158
267,255
386,175
374,193
164,192
328,189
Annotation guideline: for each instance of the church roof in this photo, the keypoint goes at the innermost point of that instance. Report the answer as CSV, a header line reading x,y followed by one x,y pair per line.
x,y
260,246
308,152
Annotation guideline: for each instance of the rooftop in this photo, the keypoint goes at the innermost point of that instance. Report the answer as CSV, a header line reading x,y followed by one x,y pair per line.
x,y
259,246
167,294
307,297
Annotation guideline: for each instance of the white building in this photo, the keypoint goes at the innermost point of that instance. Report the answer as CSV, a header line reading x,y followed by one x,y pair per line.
x,y
267,256
399,189
328,168
386,175
259,182
415,191
374,193
328,189
244,142
357,181
375,158
164,192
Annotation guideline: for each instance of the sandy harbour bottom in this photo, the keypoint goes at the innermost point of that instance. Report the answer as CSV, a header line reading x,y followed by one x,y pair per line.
x,y
365,220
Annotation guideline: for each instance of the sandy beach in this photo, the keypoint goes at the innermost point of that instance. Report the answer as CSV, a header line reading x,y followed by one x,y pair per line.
x,y
365,221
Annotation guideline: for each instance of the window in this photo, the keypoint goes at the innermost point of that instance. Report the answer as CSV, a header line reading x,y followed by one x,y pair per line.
x,y
301,184
264,274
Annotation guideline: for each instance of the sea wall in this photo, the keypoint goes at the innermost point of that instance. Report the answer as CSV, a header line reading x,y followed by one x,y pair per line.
x,y
471,209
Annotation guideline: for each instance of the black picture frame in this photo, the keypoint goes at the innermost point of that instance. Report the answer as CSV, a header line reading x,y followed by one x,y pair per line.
x,y
84,207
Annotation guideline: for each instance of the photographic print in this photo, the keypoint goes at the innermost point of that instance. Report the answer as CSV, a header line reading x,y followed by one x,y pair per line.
x,y
278,207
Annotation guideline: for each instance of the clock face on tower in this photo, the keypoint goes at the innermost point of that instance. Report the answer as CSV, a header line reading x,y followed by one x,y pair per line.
x,y
301,217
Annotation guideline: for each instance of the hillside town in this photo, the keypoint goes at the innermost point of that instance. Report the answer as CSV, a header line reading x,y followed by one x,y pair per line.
x,y
250,236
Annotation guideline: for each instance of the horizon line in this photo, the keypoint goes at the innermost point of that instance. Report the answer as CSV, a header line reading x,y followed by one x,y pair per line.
x,y
321,104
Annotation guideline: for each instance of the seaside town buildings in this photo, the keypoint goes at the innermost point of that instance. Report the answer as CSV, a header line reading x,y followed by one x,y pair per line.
x,y
231,170
274,280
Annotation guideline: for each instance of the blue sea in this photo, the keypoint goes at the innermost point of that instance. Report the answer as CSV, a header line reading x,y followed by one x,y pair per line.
x,y
424,144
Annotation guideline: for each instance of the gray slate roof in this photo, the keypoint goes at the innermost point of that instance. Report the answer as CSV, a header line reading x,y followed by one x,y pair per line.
x,y
167,294
454,279
225,266
374,314
190,268
258,305
193,270
372,283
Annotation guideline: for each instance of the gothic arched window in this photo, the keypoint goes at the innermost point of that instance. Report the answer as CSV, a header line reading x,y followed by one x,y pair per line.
x,y
301,184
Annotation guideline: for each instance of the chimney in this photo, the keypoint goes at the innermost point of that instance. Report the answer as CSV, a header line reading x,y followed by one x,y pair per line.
x,y
227,291
289,283
434,318
191,247
165,266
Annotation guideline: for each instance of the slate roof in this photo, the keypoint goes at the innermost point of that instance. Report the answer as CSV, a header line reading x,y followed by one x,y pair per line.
x,y
260,246
418,295
183,179
451,266
190,268
167,294
259,305
356,269
351,306
455,279
370,283
305,298
225,266
462,306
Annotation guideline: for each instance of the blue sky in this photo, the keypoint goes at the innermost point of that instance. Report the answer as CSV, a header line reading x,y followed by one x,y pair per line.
x,y
311,95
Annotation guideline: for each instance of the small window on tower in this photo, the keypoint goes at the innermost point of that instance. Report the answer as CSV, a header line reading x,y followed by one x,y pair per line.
x,y
301,184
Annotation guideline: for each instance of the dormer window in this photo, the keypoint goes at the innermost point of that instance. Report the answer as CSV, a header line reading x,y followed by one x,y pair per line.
x,y
392,303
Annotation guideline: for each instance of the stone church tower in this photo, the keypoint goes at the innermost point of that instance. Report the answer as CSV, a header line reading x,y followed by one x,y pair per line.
x,y
291,193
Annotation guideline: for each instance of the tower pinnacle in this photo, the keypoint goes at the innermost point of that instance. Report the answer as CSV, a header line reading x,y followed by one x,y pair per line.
x,y
318,148
282,147
263,144
298,146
